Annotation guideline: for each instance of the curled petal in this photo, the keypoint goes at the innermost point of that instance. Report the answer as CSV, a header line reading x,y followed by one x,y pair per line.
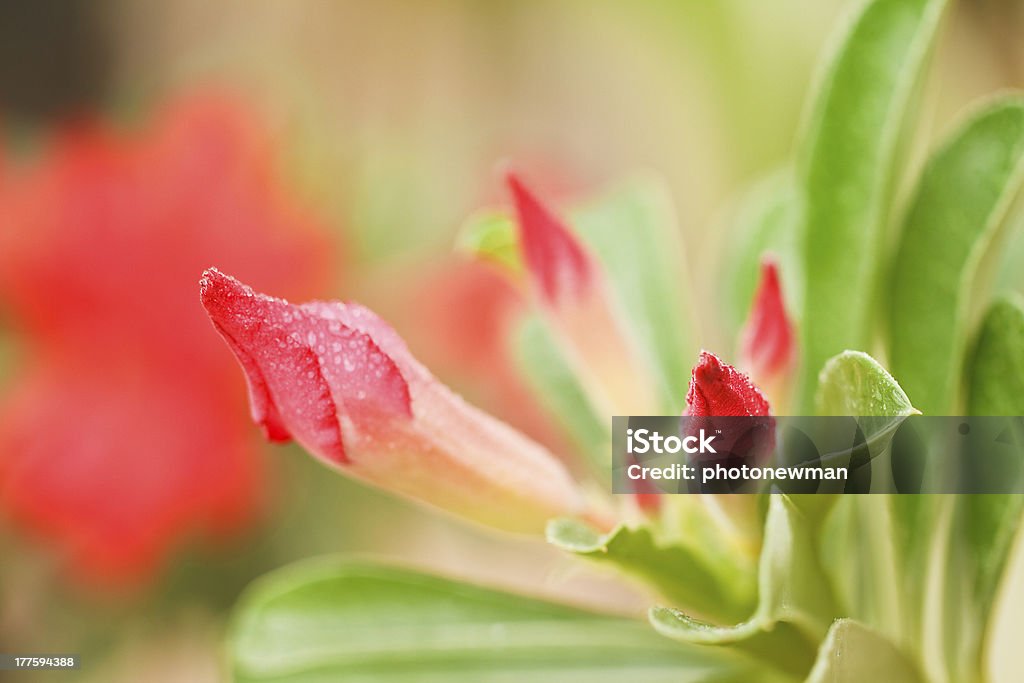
x,y
342,383
768,347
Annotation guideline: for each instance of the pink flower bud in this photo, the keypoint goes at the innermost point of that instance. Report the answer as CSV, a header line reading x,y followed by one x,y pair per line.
x,y
337,379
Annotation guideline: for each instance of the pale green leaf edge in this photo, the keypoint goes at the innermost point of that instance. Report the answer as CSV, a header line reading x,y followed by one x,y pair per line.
x,y
853,653
673,571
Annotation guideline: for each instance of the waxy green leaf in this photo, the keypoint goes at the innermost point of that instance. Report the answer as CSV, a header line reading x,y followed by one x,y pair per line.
x,y
891,534
335,620
848,164
853,383
795,604
983,527
955,218
853,653
679,575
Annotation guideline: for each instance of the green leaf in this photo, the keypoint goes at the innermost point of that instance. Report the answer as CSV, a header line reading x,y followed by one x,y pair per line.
x,y
795,604
996,368
549,372
634,233
996,388
954,223
336,620
853,383
681,576
848,163
890,533
983,527
853,653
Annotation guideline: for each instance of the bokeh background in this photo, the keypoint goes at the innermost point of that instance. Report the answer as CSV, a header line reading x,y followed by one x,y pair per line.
x,y
332,150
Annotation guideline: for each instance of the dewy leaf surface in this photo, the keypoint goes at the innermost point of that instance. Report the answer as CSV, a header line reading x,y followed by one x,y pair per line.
x,y
955,218
853,653
795,603
847,165
338,621
675,572
853,383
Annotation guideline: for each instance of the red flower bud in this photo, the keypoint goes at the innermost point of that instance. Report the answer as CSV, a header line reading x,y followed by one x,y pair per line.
x,y
768,347
718,392
341,382
718,389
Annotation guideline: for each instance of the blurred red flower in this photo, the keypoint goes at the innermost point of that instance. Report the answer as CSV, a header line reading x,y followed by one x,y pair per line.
x,y
122,433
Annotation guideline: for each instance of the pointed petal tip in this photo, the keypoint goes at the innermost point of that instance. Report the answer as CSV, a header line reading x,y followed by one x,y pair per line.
x,y
215,288
212,277
709,367
232,304
556,259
